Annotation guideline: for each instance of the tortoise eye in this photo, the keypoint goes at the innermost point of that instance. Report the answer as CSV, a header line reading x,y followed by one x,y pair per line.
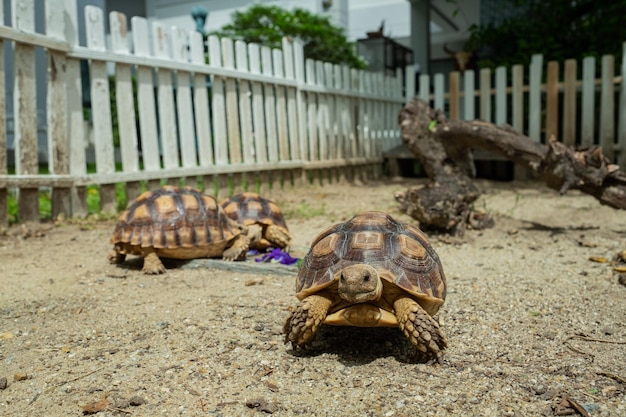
x,y
366,278
342,278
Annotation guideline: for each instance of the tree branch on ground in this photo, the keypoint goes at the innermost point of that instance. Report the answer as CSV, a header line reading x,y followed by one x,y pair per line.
x,y
444,148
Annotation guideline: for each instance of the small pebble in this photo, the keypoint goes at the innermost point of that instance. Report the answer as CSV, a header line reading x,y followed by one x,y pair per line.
x,y
3,383
20,376
135,400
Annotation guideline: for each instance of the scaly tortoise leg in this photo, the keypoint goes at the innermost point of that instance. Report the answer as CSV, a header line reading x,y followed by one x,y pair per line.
x,y
238,250
278,236
255,233
116,257
152,264
421,329
302,324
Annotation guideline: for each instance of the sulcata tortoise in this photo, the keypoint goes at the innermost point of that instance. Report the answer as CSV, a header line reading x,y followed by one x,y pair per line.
x,y
371,271
179,223
264,219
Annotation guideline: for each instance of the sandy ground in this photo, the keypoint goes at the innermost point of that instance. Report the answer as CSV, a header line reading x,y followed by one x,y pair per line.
x,y
531,321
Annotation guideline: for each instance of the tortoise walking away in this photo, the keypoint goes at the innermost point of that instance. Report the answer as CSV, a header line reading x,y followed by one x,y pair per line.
x,y
371,271
264,219
179,223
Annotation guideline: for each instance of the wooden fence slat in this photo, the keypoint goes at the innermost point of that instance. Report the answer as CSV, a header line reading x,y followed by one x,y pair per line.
x,y
292,101
271,144
201,102
165,102
245,104
58,143
145,99
329,83
258,110
218,107
101,108
218,104
232,107
124,95
124,100
75,114
469,112
588,102
517,101
534,99
440,87
4,195
485,94
311,105
184,108
454,97
409,74
569,103
501,96
621,129
25,113
552,100
281,107
607,107
348,82
322,117
340,103
424,88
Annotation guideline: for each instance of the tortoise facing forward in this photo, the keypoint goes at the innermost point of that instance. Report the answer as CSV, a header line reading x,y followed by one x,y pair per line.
x,y
263,218
371,271
179,223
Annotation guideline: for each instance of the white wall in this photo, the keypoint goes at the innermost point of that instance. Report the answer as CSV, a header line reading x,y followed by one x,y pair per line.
x,y
178,12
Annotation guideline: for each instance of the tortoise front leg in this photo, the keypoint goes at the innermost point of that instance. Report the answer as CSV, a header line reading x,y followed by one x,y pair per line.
x,y
421,329
302,324
116,257
238,250
152,264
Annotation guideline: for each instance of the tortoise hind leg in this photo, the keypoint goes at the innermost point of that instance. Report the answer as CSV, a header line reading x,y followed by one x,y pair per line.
x,y
302,324
152,264
421,329
278,236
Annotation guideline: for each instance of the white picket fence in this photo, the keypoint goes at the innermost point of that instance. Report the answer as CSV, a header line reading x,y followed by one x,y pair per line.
x,y
580,108
268,118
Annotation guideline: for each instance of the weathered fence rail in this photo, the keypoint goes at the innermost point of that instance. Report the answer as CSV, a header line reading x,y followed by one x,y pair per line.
x,y
250,117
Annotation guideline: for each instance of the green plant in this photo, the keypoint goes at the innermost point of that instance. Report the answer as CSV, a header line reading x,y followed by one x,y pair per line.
x,y
267,25
558,29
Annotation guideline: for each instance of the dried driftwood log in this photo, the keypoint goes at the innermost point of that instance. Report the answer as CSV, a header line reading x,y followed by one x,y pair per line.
x,y
444,148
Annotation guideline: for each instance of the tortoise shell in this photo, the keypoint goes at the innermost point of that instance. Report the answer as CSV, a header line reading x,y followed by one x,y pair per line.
x,y
400,253
250,208
172,219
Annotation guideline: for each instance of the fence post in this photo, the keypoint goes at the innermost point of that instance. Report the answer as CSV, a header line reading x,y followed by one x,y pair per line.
x,y
125,103
588,102
534,100
4,195
569,103
552,100
469,97
621,128
25,111
58,144
607,107
100,101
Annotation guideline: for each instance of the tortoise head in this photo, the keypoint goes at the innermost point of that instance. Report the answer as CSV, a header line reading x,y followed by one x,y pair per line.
x,y
359,283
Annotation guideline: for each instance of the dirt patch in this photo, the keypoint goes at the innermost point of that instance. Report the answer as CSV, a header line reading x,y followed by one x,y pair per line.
x,y
534,326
